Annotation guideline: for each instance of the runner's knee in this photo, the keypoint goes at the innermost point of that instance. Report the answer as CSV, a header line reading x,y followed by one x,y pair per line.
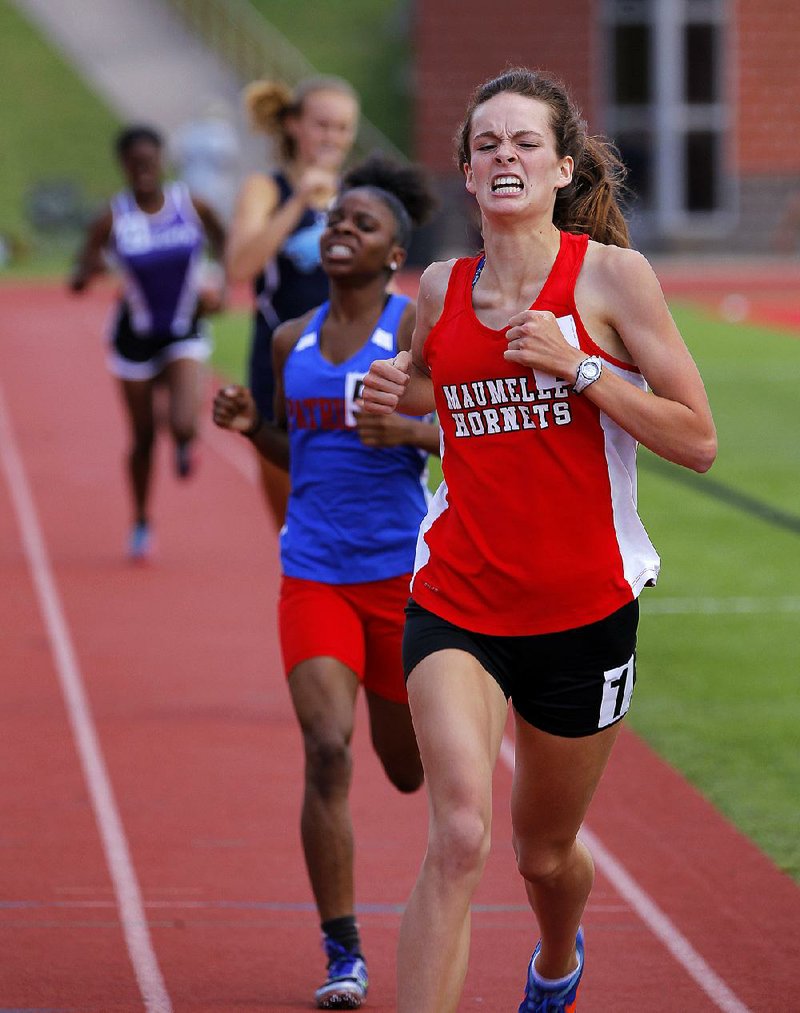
x,y
542,860
459,844
329,763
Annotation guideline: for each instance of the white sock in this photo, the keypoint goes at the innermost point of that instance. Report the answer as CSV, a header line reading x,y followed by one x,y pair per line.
x,y
552,984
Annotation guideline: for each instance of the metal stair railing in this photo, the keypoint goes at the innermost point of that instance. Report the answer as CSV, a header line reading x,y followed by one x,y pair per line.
x,y
253,48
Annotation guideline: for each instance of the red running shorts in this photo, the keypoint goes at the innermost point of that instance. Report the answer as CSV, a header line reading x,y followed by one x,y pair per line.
x,y
361,625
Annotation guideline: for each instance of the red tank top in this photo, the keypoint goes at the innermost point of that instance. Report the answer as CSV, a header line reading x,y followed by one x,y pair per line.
x,y
534,528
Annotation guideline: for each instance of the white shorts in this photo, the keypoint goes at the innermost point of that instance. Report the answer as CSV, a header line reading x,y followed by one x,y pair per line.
x,y
134,356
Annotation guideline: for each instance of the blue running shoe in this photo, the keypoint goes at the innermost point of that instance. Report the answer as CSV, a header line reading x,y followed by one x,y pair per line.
x,y
346,987
184,459
563,998
140,543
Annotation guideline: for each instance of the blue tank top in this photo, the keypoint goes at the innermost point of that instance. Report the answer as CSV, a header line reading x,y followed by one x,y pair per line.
x,y
157,255
354,511
293,281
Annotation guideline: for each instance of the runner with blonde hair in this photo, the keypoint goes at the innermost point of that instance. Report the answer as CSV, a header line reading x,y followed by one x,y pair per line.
x,y
278,220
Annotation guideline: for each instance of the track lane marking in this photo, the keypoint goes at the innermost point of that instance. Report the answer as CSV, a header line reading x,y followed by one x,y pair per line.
x,y
115,846
723,605
722,492
651,914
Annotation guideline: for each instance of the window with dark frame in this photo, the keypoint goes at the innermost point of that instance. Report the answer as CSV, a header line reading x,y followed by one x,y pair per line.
x,y
666,106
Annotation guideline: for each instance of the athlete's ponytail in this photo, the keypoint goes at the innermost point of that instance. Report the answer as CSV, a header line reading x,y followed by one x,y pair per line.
x,y
590,203
270,104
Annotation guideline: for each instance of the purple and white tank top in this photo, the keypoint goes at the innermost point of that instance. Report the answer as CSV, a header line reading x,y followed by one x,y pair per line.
x,y
158,257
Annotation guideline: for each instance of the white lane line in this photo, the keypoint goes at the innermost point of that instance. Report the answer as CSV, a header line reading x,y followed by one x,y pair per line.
x,y
720,606
123,876
653,917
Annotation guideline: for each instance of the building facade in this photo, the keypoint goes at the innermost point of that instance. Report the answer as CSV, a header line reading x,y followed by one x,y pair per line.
x,y
702,97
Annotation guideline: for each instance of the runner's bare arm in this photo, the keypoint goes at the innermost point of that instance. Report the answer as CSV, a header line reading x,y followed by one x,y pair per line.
x,y
90,258
404,383
398,429
673,419
235,408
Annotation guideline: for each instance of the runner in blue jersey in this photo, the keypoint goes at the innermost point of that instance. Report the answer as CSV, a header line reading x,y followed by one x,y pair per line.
x,y
358,494
278,221
154,234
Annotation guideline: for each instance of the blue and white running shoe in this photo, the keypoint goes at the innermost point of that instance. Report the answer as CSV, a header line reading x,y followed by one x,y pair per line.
x,y
346,987
561,999
140,543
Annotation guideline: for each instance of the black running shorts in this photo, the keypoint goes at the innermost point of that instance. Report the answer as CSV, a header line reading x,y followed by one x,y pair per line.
x,y
571,683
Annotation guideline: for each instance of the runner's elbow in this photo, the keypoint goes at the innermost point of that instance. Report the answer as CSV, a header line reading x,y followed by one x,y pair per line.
x,y
238,266
704,454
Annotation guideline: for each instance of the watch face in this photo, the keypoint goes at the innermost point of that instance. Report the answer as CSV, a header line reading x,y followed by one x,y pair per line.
x,y
590,370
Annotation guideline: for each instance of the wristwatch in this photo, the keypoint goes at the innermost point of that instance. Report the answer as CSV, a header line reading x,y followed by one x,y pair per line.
x,y
588,371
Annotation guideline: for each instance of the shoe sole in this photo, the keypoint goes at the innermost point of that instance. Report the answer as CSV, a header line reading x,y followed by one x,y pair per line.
x,y
339,999
340,1002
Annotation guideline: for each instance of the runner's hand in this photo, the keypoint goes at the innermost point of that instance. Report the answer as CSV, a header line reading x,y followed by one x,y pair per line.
x,y
317,186
382,430
385,384
535,340
234,408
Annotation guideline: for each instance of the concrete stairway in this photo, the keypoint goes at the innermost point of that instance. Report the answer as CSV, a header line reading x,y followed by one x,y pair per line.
x,y
141,60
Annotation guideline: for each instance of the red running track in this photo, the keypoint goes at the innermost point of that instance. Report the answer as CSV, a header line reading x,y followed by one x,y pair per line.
x,y
152,769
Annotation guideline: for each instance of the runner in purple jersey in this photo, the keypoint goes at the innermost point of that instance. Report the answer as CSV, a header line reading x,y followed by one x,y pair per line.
x,y
154,234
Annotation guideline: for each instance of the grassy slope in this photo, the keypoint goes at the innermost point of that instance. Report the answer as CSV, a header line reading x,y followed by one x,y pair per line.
x,y
369,47
51,125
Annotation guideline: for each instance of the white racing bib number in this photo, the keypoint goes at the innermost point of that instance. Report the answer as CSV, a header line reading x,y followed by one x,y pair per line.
x,y
617,691
353,382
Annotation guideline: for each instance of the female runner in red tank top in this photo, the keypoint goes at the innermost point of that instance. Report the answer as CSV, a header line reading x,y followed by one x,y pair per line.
x,y
548,360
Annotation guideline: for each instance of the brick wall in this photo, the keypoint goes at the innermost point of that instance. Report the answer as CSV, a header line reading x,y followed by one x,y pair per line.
x,y
766,53
457,46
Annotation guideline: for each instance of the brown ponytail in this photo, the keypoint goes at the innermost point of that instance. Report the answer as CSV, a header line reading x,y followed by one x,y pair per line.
x,y
590,203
